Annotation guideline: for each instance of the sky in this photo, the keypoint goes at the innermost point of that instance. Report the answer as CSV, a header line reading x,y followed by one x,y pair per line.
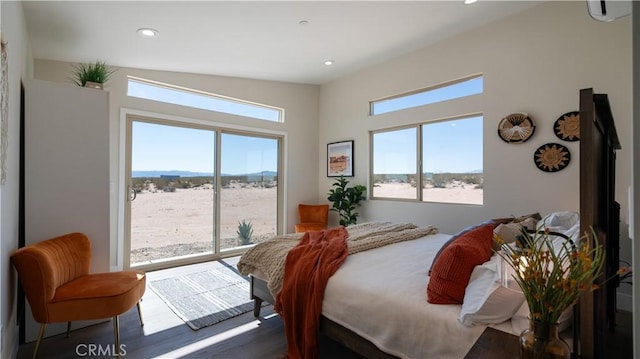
x,y
449,146
161,147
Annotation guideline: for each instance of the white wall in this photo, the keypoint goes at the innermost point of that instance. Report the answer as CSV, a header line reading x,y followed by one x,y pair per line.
x,y
534,62
636,175
301,124
66,172
20,65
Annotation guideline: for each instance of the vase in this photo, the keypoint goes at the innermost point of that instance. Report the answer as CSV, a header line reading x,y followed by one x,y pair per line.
x,y
541,341
94,85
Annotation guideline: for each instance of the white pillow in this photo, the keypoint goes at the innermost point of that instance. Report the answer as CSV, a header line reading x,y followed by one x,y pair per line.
x,y
486,301
567,223
509,232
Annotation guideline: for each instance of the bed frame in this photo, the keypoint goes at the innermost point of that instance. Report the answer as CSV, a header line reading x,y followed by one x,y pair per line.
x,y
598,210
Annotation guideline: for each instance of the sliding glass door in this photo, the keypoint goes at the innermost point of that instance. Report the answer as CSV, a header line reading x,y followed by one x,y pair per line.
x,y
197,192
249,190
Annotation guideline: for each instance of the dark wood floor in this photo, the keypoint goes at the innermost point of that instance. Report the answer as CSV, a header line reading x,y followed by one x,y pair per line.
x,y
164,335
620,342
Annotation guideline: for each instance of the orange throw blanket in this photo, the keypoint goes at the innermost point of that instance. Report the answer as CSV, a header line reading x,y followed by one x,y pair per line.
x,y
308,267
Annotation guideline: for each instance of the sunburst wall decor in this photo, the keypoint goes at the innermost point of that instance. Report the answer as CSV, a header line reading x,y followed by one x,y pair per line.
x,y
516,128
567,126
552,157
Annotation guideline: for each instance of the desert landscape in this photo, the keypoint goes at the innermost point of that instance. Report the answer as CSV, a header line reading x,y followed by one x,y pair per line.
x,y
179,221
174,223
452,192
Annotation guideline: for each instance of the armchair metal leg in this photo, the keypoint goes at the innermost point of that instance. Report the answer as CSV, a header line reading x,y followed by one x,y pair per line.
x,y
40,335
140,313
116,335
68,329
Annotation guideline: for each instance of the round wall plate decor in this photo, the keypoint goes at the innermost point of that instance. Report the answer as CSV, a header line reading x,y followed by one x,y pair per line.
x,y
552,157
567,126
516,128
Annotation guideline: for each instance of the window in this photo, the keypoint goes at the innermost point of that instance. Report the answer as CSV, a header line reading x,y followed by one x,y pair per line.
x,y
156,91
429,161
395,166
465,87
444,157
197,191
452,161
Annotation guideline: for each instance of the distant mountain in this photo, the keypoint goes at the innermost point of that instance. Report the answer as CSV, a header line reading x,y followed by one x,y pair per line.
x,y
152,174
258,174
135,174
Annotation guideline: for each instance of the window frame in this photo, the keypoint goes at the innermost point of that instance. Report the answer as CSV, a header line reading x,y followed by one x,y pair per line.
x,y
127,115
426,90
181,90
420,175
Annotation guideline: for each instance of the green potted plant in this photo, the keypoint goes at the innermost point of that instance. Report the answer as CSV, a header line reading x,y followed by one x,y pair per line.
x,y
345,199
91,74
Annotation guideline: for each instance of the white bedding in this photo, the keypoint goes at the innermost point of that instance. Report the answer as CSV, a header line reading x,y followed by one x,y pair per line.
x,y
381,295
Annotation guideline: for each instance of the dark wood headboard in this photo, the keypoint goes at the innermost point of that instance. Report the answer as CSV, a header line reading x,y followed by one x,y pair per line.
x,y
598,210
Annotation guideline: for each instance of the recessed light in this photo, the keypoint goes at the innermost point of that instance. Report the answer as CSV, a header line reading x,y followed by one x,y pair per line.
x,y
467,2
147,32
328,62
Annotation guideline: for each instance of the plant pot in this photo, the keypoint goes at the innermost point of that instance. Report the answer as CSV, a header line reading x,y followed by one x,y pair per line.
x,y
94,85
541,341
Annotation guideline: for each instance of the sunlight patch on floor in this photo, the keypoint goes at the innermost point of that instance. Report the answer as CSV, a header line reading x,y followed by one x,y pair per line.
x,y
209,341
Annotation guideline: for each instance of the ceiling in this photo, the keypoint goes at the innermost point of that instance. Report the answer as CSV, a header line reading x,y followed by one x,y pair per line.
x,y
257,39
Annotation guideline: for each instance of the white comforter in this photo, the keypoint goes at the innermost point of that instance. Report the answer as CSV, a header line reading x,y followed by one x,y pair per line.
x,y
381,294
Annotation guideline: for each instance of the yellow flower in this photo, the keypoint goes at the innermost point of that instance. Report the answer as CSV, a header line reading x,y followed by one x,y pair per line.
x,y
623,270
552,279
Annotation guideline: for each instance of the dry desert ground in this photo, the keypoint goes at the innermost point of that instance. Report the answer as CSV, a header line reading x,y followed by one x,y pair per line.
x,y
168,224
455,192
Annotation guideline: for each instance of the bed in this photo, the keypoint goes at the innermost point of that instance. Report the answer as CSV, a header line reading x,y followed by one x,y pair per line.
x,y
375,303
358,297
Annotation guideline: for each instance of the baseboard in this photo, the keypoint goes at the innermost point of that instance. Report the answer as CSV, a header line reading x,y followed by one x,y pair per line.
x,y
624,302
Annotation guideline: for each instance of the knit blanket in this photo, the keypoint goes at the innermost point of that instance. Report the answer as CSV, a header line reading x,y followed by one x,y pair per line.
x,y
307,270
269,257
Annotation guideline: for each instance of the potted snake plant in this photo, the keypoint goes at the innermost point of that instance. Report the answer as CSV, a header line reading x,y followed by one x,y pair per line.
x,y
93,75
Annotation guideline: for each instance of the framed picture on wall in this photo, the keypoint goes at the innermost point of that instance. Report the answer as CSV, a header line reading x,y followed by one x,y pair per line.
x,y
340,159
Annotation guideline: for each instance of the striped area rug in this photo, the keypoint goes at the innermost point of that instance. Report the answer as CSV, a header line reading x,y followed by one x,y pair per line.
x,y
205,298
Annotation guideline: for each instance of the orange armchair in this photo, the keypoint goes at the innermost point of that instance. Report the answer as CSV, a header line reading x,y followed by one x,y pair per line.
x,y
56,281
312,217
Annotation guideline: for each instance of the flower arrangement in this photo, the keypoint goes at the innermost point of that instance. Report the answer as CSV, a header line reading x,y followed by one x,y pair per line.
x,y
552,276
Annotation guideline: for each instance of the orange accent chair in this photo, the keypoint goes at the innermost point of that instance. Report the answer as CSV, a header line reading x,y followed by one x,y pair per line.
x,y
312,217
56,281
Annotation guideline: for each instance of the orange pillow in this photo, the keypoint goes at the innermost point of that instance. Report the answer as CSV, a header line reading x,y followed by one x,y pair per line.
x,y
452,269
494,222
